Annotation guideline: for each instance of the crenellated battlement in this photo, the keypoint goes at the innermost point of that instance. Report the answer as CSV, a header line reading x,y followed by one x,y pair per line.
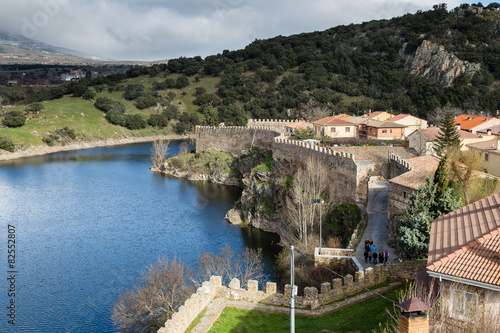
x,y
398,165
282,122
320,150
222,129
311,298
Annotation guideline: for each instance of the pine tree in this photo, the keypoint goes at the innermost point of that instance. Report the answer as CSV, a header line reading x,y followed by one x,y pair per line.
x,y
414,233
449,138
441,177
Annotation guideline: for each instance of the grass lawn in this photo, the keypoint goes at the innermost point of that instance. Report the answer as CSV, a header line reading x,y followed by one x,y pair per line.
x,y
363,317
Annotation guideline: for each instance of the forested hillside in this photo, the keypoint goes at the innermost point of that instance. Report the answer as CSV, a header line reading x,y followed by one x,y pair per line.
x,y
343,69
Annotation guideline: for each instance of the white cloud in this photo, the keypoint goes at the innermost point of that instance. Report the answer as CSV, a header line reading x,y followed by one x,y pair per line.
x,y
160,29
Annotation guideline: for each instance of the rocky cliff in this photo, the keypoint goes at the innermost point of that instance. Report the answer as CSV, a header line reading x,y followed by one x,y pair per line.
x,y
433,62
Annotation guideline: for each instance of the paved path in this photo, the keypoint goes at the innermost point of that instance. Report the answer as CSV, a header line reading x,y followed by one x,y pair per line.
x,y
377,222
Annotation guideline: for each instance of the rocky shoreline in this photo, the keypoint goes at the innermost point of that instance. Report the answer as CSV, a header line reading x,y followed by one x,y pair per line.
x,y
216,178
43,150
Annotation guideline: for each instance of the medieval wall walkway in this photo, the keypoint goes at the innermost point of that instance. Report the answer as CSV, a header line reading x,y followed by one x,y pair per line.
x,y
215,308
377,222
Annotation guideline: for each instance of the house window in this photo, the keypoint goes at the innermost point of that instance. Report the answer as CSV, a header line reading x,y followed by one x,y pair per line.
x,y
347,129
486,157
405,195
463,304
332,129
384,131
390,131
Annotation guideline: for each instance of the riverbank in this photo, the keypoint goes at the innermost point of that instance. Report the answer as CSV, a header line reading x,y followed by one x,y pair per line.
x,y
43,150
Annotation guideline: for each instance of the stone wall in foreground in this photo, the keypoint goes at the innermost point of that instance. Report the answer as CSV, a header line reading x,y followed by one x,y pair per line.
x,y
311,298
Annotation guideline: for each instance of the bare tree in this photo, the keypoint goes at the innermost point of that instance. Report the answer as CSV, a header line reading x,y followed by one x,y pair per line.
x,y
159,152
463,169
245,266
150,304
309,183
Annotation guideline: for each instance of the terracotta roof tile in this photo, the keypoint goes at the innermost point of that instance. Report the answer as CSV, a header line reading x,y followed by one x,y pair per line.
x,y
382,124
398,117
468,227
468,122
478,260
334,120
422,168
299,124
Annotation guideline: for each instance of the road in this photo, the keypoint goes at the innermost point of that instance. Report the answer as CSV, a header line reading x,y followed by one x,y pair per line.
x,y
377,221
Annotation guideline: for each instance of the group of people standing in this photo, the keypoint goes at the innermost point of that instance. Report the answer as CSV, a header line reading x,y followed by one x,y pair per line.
x,y
371,253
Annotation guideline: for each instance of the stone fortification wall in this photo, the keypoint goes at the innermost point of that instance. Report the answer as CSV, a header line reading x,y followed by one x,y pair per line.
x,y
398,166
234,140
311,298
341,167
276,124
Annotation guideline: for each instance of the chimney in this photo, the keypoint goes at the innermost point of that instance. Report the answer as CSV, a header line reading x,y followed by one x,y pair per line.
x,y
498,144
458,126
488,131
498,113
413,318
369,112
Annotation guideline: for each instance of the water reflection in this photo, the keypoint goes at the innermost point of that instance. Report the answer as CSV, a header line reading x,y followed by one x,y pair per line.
x,y
88,222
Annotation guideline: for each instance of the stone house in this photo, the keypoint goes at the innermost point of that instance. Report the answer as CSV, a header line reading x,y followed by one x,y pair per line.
x,y
464,254
412,123
423,140
335,127
489,155
413,173
474,123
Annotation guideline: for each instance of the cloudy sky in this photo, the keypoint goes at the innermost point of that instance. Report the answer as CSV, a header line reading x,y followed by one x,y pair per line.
x,y
163,29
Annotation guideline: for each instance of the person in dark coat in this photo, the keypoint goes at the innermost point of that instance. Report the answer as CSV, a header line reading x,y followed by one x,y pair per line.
x,y
381,257
366,257
375,255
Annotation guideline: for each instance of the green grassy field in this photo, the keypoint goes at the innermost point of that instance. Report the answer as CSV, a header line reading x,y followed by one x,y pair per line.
x,y
363,317
88,122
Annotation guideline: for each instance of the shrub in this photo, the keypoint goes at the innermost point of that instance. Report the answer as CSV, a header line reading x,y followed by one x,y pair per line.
x,y
7,144
115,117
14,119
135,121
132,91
146,101
106,104
35,107
158,120
50,139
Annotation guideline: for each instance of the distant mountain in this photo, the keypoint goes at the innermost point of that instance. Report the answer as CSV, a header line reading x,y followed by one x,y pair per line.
x,y
24,50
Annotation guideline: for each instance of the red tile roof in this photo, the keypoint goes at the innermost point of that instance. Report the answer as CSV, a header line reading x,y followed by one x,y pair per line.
x,y
466,243
468,124
334,120
299,124
422,168
477,261
399,117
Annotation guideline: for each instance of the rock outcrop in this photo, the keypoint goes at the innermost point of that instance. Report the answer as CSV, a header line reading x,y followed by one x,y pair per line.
x,y
433,62
214,177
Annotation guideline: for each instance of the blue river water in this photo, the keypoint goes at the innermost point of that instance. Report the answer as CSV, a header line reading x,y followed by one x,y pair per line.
x,y
87,223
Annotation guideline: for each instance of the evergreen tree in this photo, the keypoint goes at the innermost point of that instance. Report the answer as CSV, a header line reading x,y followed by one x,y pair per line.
x,y
424,207
449,138
441,177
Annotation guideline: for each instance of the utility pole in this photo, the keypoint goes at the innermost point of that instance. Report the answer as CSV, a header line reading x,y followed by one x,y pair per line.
x,y
320,203
292,292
